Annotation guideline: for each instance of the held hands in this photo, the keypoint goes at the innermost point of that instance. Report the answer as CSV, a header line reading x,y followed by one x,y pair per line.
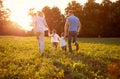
x,y
48,29
78,33
65,34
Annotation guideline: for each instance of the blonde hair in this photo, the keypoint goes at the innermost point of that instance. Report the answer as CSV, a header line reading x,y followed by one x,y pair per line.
x,y
41,14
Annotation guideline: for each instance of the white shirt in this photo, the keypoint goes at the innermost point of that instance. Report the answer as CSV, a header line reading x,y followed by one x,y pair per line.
x,y
62,41
40,24
54,37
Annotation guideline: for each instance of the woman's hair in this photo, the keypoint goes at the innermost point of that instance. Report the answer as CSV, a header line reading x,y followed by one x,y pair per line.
x,y
41,14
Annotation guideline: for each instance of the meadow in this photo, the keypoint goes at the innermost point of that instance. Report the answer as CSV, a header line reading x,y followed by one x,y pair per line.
x,y
98,58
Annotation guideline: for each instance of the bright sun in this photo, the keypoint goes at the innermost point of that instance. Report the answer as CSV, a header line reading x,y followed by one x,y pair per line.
x,y
22,20
20,8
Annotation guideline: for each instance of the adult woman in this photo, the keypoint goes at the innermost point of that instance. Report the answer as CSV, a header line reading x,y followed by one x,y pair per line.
x,y
40,26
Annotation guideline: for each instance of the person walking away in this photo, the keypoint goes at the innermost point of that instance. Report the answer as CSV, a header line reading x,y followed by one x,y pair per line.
x,y
72,29
40,26
54,39
63,42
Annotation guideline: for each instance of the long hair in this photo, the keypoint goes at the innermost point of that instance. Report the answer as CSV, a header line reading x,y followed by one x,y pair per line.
x,y
41,14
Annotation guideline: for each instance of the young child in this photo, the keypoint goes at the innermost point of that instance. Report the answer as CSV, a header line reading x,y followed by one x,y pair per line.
x,y
62,42
54,38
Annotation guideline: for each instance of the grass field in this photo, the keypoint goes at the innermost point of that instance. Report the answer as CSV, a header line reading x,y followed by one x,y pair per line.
x,y
98,58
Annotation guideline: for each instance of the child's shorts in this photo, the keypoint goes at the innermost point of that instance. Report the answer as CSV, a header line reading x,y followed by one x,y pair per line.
x,y
54,43
64,48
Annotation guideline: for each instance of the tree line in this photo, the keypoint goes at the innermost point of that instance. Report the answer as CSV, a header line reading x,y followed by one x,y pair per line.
x,y
98,20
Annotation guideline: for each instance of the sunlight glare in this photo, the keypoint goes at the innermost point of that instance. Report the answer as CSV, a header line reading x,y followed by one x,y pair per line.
x,y
19,10
98,1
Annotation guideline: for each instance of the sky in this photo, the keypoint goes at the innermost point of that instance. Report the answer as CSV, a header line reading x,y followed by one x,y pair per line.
x,y
19,8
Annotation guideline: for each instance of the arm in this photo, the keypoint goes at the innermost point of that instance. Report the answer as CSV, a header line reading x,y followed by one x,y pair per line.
x,y
79,27
45,23
58,37
49,34
66,28
47,26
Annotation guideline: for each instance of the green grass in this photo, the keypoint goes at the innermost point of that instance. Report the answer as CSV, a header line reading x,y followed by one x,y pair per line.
x,y
20,59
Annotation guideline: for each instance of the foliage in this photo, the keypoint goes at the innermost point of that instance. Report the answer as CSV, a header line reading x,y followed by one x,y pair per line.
x,y
98,20
76,7
8,27
4,15
96,59
54,18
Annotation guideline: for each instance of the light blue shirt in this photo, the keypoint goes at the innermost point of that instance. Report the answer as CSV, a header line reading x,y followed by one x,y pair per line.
x,y
73,21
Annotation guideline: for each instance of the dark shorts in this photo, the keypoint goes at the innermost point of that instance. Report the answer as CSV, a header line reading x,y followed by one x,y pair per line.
x,y
54,43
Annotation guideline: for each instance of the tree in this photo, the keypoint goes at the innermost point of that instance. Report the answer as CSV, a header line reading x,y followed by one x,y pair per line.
x,y
54,18
111,19
106,8
92,19
76,7
4,16
12,28
58,20
115,18
48,15
8,27
98,20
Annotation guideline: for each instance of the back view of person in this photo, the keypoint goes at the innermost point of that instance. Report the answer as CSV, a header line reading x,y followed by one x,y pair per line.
x,y
63,42
72,29
40,25
54,39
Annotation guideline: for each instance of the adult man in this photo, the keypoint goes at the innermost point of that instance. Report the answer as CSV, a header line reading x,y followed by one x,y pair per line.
x,y
72,29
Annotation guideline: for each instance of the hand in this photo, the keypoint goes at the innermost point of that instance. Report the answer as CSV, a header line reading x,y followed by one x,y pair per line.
x,y
65,35
48,30
78,33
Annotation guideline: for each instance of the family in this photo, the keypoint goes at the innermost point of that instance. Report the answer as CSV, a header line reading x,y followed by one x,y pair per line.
x,y
71,30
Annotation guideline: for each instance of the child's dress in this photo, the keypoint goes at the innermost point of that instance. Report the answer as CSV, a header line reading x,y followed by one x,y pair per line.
x,y
62,42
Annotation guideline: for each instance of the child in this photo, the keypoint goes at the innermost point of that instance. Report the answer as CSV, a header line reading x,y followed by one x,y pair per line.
x,y
62,42
54,38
